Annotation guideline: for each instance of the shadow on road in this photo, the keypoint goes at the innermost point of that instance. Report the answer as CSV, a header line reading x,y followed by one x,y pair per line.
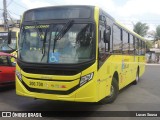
x,y
55,109
7,88
60,108
66,109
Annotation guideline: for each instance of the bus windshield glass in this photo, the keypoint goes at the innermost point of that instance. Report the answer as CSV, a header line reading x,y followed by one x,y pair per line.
x,y
67,43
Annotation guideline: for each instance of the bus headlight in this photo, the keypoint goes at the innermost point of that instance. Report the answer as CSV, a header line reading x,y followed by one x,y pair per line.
x,y
86,79
19,75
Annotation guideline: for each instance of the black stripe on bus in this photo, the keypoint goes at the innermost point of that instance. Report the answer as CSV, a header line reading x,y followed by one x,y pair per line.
x,y
50,91
49,79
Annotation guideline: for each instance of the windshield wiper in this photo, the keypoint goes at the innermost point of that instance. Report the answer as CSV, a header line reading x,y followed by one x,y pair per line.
x,y
55,40
38,30
24,36
44,46
62,32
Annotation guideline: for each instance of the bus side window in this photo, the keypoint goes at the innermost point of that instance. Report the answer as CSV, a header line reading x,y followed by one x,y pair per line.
x,y
143,47
102,46
140,47
125,42
101,41
117,42
136,46
131,46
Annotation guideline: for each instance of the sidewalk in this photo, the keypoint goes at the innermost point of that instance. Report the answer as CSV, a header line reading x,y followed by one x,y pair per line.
x,y
152,64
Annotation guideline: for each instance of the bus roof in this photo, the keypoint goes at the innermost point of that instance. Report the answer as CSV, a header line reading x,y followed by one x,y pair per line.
x,y
59,12
61,6
122,26
91,6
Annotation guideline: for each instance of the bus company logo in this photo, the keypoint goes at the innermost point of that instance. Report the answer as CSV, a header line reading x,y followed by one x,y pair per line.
x,y
20,114
124,65
6,114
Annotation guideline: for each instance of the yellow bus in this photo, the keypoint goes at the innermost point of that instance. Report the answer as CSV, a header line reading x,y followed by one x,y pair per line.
x,y
76,53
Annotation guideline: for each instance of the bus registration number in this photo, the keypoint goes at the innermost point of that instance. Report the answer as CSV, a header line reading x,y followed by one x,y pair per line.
x,y
31,83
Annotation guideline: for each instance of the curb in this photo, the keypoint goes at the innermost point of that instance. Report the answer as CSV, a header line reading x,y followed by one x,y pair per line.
x,y
154,64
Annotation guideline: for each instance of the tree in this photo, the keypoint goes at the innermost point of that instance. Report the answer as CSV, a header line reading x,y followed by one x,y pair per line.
x,y
149,44
157,34
140,28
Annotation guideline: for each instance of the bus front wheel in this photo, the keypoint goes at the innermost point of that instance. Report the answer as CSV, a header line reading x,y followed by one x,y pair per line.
x,y
113,92
135,82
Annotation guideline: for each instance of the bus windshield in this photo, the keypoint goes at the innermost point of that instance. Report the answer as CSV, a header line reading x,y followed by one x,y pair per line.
x,y
57,43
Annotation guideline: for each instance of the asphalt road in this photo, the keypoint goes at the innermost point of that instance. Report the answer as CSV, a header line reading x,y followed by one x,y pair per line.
x,y
142,97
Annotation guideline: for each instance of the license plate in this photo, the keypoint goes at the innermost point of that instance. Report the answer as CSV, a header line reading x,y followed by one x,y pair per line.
x,y
32,83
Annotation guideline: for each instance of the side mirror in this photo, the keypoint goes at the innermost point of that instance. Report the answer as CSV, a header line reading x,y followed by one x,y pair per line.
x,y
106,35
9,37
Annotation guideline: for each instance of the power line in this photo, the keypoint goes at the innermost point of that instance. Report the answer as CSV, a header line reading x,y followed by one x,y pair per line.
x,y
19,5
13,13
18,10
11,18
9,3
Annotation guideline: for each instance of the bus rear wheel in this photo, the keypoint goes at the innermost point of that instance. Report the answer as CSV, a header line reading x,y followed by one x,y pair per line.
x,y
113,94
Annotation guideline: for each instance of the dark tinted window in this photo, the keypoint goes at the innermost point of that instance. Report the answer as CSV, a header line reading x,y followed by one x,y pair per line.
x,y
103,47
58,13
140,47
131,51
110,23
143,47
125,42
137,46
117,43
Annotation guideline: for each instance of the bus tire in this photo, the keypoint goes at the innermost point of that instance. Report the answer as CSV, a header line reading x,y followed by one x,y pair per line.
x,y
114,93
135,82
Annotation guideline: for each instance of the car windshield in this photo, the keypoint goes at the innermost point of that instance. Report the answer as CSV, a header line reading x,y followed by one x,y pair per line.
x,y
4,46
57,43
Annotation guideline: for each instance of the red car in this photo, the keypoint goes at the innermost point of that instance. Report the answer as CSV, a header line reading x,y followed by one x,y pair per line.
x,y
7,69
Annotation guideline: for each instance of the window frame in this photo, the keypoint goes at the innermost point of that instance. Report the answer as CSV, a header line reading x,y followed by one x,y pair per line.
x,y
120,38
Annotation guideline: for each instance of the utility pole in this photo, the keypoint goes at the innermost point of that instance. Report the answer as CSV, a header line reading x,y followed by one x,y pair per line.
x,y
5,15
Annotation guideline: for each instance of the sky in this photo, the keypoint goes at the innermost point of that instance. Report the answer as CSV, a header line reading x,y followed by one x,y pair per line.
x,y
128,12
